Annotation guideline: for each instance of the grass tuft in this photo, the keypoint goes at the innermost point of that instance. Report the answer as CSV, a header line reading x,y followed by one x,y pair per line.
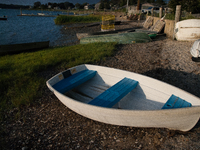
x,y
20,83
77,19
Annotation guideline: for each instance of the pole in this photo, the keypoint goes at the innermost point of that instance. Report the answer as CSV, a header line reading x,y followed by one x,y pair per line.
x,y
152,12
177,18
178,13
160,13
127,6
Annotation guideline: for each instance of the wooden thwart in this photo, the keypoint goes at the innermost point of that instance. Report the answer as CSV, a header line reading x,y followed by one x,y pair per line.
x,y
74,80
115,93
176,102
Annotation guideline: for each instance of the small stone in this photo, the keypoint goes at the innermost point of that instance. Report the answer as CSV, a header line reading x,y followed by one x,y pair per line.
x,y
24,148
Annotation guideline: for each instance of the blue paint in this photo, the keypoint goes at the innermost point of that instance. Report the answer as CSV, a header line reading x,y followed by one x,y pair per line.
x,y
74,80
176,102
115,93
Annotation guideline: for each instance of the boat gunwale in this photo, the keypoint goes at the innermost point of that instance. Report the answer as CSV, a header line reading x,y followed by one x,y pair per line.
x,y
159,81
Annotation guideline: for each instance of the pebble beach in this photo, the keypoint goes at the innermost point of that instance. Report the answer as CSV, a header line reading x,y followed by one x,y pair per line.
x,y
51,125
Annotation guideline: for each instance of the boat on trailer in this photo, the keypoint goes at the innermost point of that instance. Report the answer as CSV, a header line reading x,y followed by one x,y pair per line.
x,y
125,98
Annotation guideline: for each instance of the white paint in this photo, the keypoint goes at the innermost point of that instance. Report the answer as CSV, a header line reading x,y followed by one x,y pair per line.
x,y
140,108
188,30
195,50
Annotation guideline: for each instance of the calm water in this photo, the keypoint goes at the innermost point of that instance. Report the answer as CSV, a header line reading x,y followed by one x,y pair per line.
x,y
25,29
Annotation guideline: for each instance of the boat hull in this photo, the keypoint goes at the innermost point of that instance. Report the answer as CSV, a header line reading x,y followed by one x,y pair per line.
x,y
121,38
188,30
24,47
182,119
3,18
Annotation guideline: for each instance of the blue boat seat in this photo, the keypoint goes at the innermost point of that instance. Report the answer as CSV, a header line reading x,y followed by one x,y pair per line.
x,y
74,80
115,93
176,102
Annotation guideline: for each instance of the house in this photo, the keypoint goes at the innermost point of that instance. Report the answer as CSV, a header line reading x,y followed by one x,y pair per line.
x,y
88,6
49,6
56,7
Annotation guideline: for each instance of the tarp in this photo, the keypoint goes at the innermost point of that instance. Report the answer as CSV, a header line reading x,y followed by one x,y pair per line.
x,y
195,50
122,38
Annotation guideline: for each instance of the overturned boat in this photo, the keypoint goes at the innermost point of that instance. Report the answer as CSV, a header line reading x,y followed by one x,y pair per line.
x,y
120,38
125,98
188,30
23,47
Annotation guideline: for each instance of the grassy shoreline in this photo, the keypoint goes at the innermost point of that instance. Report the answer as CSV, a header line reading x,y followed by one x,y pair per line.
x,y
63,19
19,81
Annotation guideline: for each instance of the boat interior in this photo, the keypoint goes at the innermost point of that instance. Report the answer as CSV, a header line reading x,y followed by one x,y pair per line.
x,y
140,98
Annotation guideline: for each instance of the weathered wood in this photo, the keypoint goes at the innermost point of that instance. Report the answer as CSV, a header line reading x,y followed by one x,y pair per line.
x,y
177,17
148,23
160,13
138,5
178,13
165,10
152,12
158,26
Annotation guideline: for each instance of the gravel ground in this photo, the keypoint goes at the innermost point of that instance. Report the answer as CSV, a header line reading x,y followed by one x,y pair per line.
x,y
48,124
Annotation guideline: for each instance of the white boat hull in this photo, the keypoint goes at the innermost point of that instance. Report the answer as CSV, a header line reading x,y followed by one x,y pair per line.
x,y
188,30
140,108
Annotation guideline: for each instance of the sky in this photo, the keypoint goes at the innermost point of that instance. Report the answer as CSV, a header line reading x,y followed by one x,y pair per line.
x,y
31,2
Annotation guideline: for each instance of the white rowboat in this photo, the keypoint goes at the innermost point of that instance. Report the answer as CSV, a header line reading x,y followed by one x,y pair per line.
x,y
125,98
188,30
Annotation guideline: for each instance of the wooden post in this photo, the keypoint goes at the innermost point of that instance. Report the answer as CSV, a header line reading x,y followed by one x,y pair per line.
x,y
127,6
165,10
160,13
178,13
177,17
138,5
152,12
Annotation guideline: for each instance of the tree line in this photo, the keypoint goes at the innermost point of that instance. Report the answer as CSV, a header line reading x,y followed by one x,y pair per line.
x,y
192,6
107,4
11,6
65,5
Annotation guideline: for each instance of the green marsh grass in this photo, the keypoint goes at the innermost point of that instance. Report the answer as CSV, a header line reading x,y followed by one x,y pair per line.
x,y
20,83
77,19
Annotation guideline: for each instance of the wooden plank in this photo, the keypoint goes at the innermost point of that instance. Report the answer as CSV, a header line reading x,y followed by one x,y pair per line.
x,y
74,80
176,102
148,23
159,25
115,93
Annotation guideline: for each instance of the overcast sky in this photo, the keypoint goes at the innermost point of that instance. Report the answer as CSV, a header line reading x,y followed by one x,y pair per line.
x,y
31,2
